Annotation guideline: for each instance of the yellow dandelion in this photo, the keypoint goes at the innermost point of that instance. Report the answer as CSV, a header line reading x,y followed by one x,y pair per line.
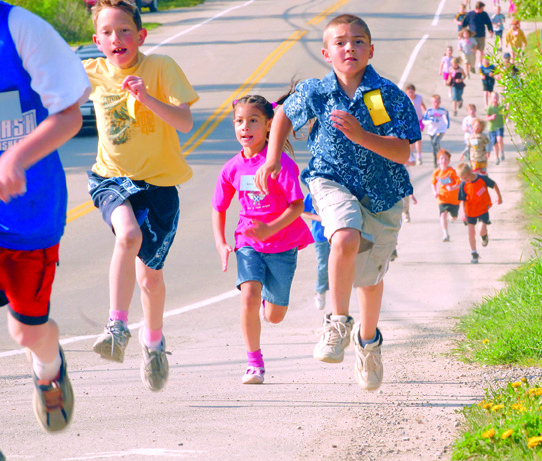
x,y
488,434
507,434
516,384
497,407
485,341
518,407
534,441
524,379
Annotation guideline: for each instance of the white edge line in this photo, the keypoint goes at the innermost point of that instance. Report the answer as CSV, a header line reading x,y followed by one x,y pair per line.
x,y
437,14
137,325
411,60
190,29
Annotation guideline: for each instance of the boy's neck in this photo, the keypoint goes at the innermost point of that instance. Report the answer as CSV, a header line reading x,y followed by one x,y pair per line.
x,y
350,83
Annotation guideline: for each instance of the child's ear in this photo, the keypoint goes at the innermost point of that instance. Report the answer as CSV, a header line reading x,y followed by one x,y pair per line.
x,y
325,54
142,36
96,41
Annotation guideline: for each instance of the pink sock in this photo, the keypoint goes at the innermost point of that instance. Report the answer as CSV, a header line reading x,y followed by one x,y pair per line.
x,y
118,315
255,359
152,338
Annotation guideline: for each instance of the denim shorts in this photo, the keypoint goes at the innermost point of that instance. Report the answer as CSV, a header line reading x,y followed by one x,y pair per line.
x,y
493,135
339,209
275,271
156,210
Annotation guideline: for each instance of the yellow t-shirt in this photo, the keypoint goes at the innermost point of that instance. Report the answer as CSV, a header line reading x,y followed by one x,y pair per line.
x,y
133,141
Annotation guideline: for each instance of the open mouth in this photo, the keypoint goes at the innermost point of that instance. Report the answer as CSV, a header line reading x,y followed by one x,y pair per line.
x,y
119,51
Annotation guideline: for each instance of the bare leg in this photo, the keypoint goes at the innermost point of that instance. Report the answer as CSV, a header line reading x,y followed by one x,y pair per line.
x,y
472,236
344,248
444,222
275,313
370,301
122,273
153,294
251,298
42,340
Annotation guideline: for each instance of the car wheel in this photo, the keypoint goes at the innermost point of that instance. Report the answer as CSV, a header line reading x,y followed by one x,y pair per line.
x,y
153,6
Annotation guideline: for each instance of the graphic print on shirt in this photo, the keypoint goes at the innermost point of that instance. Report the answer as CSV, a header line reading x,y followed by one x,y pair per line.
x,y
248,185
12,131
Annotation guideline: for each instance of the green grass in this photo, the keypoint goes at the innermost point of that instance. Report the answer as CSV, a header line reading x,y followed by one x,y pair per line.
x,y
506,328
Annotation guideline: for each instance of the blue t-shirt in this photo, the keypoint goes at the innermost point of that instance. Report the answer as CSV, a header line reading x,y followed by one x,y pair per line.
x,y
365,173
317,229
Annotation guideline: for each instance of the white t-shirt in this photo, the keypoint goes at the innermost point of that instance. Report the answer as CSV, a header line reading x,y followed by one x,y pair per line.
x,y
58,90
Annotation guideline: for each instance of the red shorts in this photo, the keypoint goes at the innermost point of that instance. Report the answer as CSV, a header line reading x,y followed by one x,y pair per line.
x,y
26,280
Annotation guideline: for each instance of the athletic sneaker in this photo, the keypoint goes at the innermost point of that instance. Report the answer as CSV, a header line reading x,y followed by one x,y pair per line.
x,y
475,256
497,162
419,161
368,368
53,400
154,366
446,238
320,300
111,344
407,216
334,340
485,240
502,155
254,375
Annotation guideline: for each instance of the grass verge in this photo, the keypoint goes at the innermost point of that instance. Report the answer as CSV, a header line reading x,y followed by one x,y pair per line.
x,y
506,329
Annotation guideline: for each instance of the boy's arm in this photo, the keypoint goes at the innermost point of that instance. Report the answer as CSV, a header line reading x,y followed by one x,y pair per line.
x,y
499,196
311,216
262,231
224,250
179,117
50,134
394,149
281,127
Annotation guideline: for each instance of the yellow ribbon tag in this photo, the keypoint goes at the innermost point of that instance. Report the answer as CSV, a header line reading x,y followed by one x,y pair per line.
x,y
130,104
373,101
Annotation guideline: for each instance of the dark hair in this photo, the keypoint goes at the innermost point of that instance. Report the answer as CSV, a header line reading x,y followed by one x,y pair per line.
x,y
267,108
128,6
410,86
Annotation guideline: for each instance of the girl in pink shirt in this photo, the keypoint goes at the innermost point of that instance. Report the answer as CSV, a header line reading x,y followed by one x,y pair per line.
x,y
269,232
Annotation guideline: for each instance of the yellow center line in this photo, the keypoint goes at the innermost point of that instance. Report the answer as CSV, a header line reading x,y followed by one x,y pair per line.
x,y
225,108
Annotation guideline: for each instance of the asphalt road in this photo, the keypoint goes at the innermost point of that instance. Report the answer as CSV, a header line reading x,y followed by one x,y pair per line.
x,y
205,412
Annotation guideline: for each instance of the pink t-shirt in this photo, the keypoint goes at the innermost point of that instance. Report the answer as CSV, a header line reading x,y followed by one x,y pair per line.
x,y
238,175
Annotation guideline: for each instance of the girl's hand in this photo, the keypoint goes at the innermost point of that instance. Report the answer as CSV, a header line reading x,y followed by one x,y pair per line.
x,y
347,124
224,251
257,231
136,87
263,173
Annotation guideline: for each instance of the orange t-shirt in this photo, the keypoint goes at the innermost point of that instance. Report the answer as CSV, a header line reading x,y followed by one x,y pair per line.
x,y
476,196
443,178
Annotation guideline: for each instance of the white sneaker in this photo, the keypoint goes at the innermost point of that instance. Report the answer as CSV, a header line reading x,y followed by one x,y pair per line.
x,y
154,367
320,300
254,375
111,344
368,368
334,340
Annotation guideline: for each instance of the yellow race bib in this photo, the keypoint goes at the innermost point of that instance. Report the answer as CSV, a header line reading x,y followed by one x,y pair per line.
x,y
373,101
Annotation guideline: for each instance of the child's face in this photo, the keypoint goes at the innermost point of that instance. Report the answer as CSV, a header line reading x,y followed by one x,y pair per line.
x,y
498,10
485,62
471,111
348,49
410,93
251,128
117,36
494,99
466,34
515,25
476,127
449,51
467,177
435,103
443,162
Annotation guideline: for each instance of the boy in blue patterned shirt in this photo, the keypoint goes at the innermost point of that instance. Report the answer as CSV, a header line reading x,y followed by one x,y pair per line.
x,y
360,140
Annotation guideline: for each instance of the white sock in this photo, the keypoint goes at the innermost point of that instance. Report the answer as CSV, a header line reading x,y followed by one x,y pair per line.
x,y
338,318
46,371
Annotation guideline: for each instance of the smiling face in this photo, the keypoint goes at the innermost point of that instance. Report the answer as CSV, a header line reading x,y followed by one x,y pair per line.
x,y
117,36
443,161
347,47
477,126
251,128
435,102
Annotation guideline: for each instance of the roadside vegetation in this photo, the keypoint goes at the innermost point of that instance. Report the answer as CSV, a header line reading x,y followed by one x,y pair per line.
x,y
72,19
506,329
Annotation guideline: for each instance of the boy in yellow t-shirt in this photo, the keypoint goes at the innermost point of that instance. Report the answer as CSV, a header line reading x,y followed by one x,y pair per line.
x,y
140,102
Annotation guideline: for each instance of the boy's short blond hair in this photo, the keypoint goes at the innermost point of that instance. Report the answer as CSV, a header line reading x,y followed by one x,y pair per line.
x,y
463,169
436,96
128,6
347,19
480,121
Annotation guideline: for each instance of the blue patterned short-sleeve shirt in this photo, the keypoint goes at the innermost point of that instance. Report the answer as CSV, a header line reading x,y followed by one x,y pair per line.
x,y
335,157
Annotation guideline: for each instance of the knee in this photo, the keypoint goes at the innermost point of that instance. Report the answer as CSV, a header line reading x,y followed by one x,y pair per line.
x,y
25,335
151,281
346,241
129,239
